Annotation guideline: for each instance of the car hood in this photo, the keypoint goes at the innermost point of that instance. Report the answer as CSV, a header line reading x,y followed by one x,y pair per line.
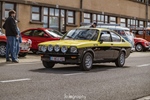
x,y
140,39
77,43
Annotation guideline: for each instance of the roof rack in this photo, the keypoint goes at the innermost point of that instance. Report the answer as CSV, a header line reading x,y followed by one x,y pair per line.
x,y
100,24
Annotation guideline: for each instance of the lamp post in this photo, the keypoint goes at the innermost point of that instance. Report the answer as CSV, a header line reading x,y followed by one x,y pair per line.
x,y
81,10
147,3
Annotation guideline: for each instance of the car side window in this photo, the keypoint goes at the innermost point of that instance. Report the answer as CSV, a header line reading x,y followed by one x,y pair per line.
x,y
115,37
140,33
148,32
105,36
28,33
38,33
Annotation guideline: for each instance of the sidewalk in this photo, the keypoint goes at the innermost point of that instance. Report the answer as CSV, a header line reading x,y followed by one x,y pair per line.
x,y
28,58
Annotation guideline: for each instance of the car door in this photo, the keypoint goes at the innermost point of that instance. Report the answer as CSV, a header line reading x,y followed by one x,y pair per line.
x,y
105,51
147,35
39,36
116,40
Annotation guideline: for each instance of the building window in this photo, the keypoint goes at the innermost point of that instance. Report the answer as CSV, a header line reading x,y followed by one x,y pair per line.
x,y
132,23
94,18
87,18
45,17
8,7
106,19
62,21
123,22
36,13
141,23
100,18
54,18
71,17
112,20
143,1
148,24
0,14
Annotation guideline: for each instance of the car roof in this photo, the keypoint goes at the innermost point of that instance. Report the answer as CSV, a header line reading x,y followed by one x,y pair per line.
x,y
93,28
115,27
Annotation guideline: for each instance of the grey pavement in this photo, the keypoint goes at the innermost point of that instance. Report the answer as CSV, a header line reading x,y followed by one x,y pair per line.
x,y
67,82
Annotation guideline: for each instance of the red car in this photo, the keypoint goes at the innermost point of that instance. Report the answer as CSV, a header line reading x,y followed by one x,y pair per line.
x,y
38,35
24,46
141,44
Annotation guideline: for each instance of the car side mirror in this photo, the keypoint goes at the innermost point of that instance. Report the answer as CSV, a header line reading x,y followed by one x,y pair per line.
x,y
101,41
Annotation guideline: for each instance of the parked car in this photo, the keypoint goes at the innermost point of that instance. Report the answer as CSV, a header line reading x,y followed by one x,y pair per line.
x,y
24,46
141,44
123,31
38,35
85,46
142,33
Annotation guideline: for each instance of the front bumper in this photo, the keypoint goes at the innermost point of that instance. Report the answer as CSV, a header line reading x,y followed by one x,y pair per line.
x,y
68,58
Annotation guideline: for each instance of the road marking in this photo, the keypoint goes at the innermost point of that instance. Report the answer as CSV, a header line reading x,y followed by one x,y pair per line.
x,y
144,98
16,80
73,74
144,65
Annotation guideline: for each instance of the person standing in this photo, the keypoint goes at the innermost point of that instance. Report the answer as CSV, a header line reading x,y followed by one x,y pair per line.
x,y
12,35
19,40
94,24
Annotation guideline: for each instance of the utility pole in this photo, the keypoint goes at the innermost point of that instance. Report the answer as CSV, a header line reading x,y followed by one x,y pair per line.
x,y
147,3
81,10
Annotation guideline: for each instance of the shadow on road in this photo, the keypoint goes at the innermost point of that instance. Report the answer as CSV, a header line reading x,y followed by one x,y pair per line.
x,y
3,64
76,69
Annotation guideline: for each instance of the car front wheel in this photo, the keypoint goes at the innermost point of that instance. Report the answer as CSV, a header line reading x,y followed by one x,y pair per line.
x,y
2,49
48,64
87,62
139,47
120,60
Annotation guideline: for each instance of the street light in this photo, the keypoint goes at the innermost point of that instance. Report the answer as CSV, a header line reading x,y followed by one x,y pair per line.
x,y
147,3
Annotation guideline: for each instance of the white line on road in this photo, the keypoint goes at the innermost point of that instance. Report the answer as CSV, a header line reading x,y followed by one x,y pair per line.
x,y
16,80
145,98
144,65
73,74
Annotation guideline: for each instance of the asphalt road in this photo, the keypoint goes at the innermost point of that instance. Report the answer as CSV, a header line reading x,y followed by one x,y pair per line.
x,y
29,80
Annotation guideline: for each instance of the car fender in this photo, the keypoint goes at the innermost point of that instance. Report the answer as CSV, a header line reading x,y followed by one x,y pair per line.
x,y
88,50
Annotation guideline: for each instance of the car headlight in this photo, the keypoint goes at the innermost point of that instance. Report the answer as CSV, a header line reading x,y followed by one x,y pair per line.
x,y
29,41
73,50
56,48
39,48
64,49
50,48
43,48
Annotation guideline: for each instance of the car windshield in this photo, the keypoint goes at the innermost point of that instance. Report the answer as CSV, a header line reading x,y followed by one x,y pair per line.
x,y
121,32
54,33
82,34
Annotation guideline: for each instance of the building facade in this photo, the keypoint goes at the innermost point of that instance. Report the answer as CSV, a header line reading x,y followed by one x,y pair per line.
x,y
64,15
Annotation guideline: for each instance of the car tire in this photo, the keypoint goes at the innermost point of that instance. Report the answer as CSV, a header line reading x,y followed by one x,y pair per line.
x,y
87,62
34,51
48,64
22,54
2,49
139,48
120,60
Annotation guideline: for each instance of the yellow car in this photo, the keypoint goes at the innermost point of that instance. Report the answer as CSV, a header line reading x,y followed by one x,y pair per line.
x,y
85,46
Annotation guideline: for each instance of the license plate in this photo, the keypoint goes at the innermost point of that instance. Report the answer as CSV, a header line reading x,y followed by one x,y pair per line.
x,y
57,59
